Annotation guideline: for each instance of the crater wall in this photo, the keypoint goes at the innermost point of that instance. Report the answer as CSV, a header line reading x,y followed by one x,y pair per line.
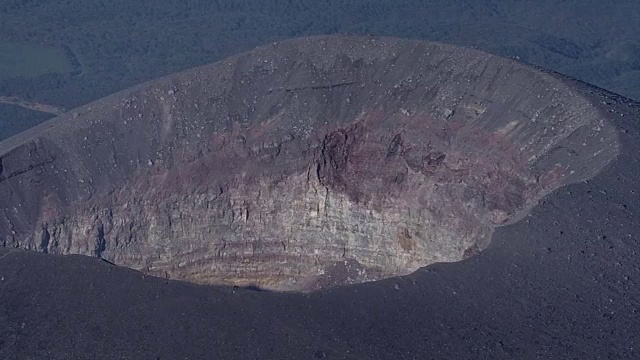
x,y
302,164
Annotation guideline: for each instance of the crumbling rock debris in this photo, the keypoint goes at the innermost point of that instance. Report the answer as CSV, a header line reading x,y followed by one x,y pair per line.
x,y
331,167
448,113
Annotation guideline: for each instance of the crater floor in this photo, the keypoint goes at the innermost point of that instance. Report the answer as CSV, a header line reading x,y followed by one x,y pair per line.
x,y
302,164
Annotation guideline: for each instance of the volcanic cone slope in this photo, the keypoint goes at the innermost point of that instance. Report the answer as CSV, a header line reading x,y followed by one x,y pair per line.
x,y
302,164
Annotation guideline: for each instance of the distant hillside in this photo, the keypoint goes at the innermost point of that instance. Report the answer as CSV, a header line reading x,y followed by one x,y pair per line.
x,y
14,119
116,44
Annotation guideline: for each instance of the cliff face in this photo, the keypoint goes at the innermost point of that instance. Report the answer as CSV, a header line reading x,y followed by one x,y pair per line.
x,y
302,164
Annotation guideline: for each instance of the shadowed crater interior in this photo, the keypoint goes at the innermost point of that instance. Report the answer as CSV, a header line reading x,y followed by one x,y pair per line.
x,y
302,164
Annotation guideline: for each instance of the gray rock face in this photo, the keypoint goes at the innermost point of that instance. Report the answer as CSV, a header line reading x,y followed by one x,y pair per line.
x,y
302,164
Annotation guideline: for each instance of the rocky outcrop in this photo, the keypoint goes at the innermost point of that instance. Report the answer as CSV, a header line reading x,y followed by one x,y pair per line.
x,y
302,164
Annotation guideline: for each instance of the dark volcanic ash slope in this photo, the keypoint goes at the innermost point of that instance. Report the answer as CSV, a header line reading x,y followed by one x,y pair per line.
x,y
302,164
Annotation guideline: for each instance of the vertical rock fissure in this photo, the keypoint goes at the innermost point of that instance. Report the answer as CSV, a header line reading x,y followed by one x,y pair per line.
x,y
44,243
101,243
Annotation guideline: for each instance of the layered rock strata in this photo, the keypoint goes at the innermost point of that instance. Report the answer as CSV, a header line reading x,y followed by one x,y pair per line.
x,y
302,164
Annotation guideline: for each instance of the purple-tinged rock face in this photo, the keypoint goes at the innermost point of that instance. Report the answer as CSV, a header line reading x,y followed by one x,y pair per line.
x,y
302,164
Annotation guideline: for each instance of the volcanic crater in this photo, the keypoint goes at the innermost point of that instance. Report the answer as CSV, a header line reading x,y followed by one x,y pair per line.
x,y
302,164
